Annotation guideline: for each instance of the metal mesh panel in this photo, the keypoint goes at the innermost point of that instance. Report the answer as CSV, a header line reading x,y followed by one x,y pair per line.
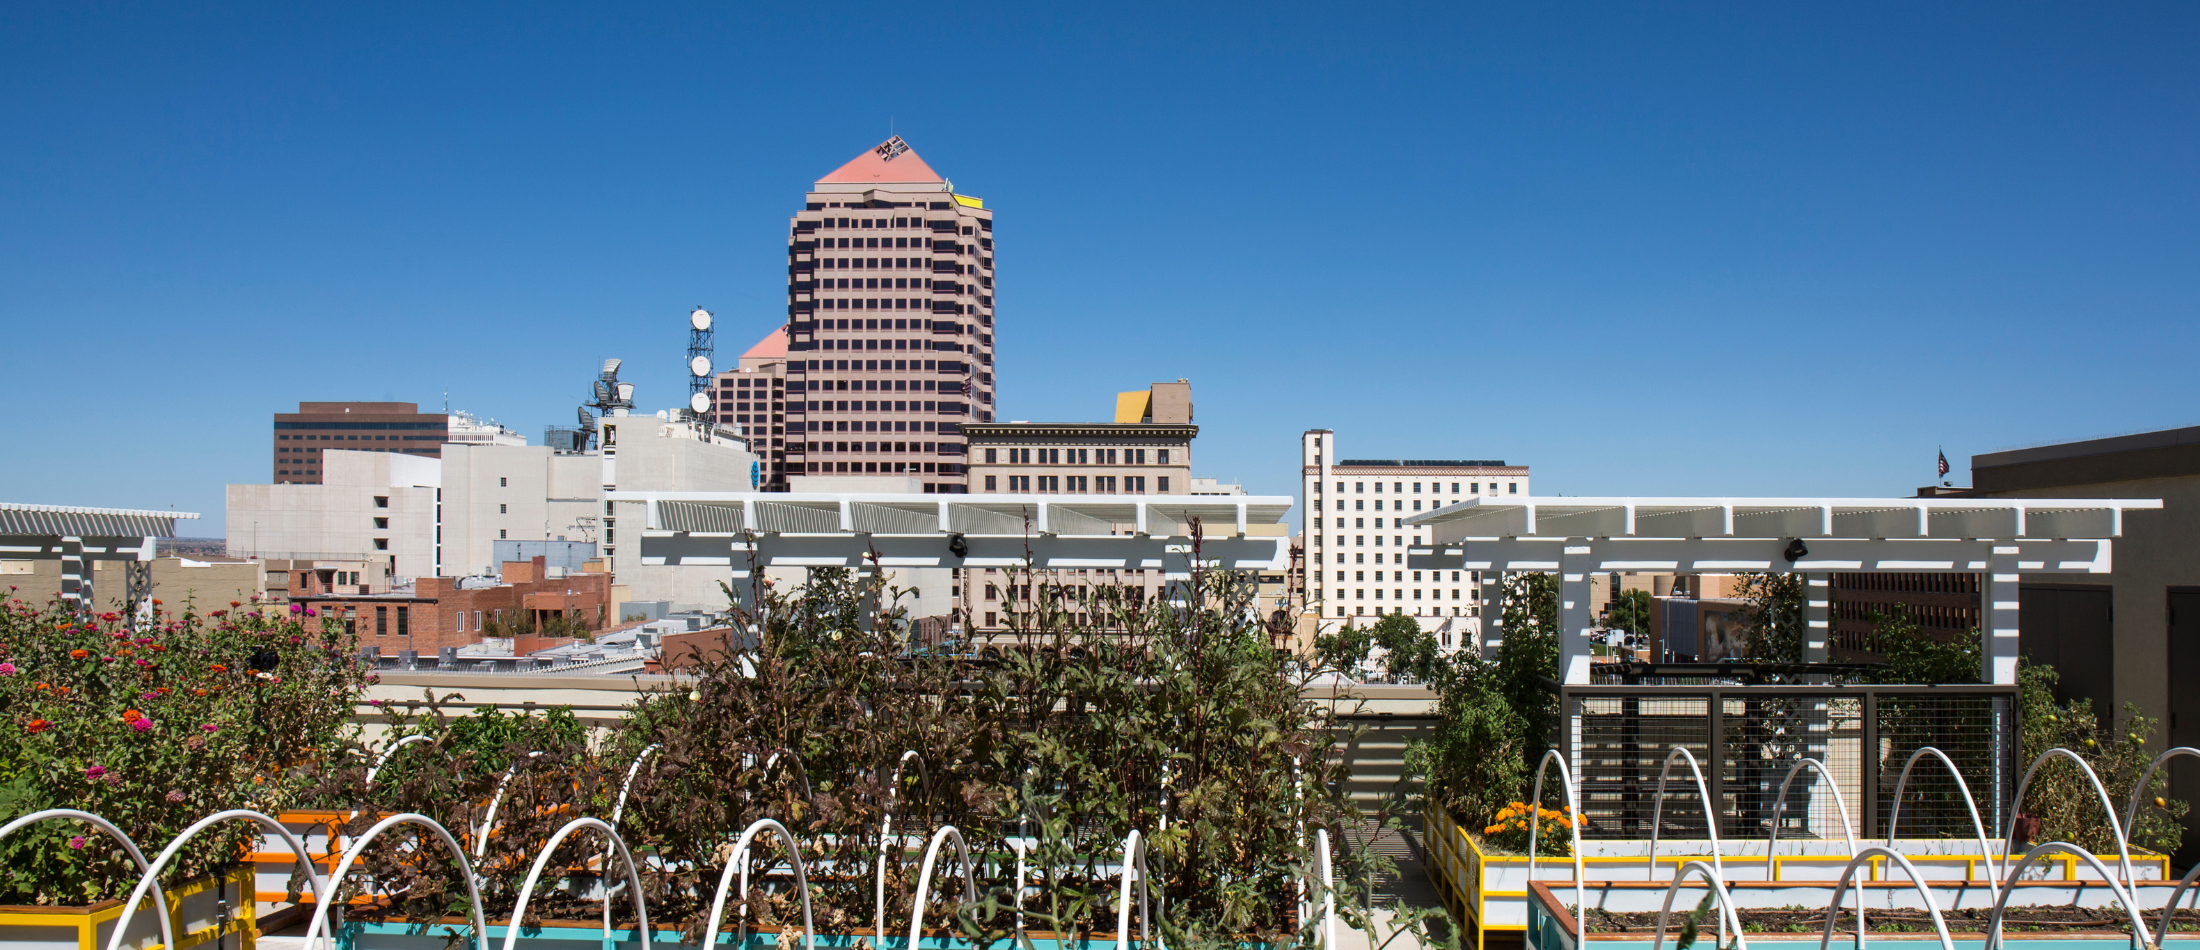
x,y
1965,728
1624,743
1747,739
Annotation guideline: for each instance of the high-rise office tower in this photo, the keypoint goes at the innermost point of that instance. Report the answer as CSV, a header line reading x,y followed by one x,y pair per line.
x,y
889,323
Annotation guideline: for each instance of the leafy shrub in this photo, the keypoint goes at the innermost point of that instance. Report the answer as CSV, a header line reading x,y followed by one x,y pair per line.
x,y
153,726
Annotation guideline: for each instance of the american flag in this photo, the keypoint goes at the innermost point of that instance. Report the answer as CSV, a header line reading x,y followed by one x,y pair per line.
x,y
1944,462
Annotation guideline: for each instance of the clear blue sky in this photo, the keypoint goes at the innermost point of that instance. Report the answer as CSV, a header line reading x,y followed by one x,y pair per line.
x,y
1643,248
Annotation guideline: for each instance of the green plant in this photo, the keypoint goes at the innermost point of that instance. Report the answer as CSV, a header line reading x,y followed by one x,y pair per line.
x,y
1631,612
1344,650
1408,650
154,725
2065,804
1774,615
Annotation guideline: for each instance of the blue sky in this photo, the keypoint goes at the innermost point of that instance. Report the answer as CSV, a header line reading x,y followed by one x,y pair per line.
x,y
1644,249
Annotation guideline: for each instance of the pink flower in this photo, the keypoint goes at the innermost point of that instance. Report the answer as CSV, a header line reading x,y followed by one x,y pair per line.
x,y
295,608
141,662
175,795
310,613
210,727
148,695
77,842
142,725
95,771
7,669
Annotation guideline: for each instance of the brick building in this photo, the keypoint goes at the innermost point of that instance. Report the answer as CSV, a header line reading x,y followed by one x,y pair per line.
x,y
439,612
301,437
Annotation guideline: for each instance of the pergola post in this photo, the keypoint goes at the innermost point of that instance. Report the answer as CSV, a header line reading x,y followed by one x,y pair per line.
x,y
76,575
1998,655
1574,615
1492,591
1817,616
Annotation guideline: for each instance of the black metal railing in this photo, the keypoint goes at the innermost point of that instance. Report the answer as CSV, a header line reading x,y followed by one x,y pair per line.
x,y
1745,739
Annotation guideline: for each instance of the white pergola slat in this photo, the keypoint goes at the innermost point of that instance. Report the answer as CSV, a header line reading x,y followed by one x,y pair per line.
x,y
735,530
2003,538
77,536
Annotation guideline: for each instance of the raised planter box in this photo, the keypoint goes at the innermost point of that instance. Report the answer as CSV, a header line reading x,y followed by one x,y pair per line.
x,y
1551,920
209,913
1491,890
587,935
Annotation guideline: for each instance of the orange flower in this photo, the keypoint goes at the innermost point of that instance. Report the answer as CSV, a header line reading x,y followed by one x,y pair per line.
x,y
42,686
79,654
218,668
198,692
131,715
37,726
162,690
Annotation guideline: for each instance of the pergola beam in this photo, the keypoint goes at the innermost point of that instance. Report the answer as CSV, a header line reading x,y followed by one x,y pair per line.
x,y
2002,538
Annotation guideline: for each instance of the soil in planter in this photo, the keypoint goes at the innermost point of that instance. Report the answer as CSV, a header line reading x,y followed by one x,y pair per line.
x,y
2068,918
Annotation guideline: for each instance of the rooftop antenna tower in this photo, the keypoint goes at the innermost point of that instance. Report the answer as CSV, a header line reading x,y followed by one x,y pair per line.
x,y
700,336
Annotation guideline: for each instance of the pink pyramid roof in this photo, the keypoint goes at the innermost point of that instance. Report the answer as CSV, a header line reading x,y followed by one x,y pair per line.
x,y
875,167
773,346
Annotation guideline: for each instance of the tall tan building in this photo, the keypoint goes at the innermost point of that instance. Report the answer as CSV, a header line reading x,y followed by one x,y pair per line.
x,y
889,323
1356,537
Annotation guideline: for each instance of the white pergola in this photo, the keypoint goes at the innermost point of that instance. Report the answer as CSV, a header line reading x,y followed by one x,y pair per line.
x,y
78,536
839,529
2004,538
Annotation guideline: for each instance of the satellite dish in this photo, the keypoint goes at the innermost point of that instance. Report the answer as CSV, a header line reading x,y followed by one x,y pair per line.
x,y
603,391
588,420
699,366
626,392
700,319
611,367
700,402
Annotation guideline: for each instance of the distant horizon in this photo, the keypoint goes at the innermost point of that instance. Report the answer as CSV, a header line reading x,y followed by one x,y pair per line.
x,y
1698,250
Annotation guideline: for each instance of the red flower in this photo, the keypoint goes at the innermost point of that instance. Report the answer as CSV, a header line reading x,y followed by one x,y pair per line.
x,y
37,726
162,690
218,668
131,715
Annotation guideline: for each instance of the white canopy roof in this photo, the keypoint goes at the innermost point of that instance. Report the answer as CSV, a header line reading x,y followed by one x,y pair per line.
x,y
2004,519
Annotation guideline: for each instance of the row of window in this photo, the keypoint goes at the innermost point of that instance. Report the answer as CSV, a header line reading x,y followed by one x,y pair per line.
x,y
1360,504
875,405
359,438
936,346
1400,576
1360,540
886,303
1074,456
1436,612
882,222
874,263
935,326
875,366
1360,593
881,468
935,448
1077,484
1399,488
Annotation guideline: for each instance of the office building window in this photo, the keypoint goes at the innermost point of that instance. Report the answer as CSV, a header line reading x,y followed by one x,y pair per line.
x,y
500,534
404,621
1163,483
503,482
989,478
1512,488
381,621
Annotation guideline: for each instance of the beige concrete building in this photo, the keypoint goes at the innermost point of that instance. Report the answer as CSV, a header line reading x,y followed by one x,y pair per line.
x,y
889,322
1356,541
378,507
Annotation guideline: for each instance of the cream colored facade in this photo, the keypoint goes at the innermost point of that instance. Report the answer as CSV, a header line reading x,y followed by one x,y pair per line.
x,y
372,506
1356,541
